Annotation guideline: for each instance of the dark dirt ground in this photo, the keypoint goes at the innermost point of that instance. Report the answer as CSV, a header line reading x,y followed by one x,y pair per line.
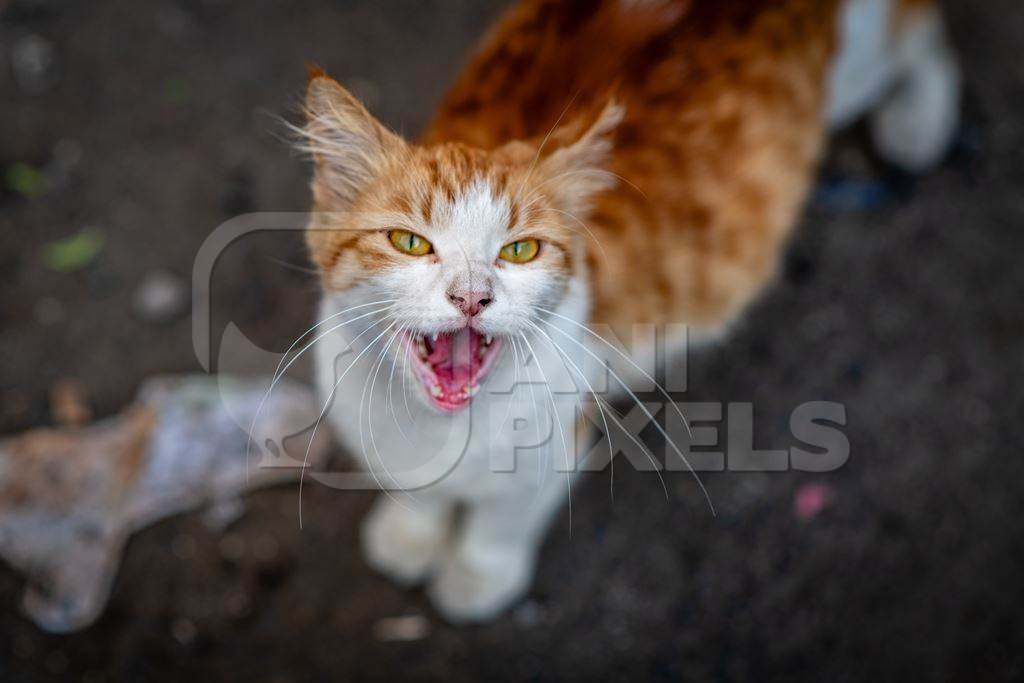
x,y
909,314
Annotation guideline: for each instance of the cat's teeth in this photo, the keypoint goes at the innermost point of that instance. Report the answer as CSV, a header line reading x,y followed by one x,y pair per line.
x,y
434,338
435,390
488,339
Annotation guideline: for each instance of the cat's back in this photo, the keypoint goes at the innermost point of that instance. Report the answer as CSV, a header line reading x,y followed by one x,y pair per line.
x,y
723,104
547,56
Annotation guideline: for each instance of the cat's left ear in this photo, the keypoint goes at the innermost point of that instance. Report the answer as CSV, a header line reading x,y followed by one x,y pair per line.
x,y
349,146
576,171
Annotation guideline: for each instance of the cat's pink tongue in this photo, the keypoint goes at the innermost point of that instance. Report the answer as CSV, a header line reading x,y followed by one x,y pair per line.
x,y
455,359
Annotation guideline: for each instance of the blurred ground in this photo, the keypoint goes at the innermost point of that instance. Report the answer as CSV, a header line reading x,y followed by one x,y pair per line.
x,y
154,123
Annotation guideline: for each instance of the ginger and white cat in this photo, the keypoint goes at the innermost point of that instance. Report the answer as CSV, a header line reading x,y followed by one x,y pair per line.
x,y
598,161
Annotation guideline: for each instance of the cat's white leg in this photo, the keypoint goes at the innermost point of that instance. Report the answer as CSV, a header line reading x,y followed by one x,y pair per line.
x,y
493,562
404,539
915,124
896,63
861,69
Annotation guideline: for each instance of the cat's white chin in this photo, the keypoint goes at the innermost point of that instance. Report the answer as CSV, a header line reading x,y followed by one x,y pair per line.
x,y
451,366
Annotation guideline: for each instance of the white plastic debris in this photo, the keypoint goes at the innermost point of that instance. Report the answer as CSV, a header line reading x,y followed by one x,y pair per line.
x,y
71,497
160,297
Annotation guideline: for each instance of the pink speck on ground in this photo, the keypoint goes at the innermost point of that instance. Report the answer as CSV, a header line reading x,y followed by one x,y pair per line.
x,y
811,499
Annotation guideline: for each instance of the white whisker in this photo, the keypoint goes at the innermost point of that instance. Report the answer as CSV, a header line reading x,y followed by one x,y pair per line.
x,y
561,352
278,372
512,394
661,389
405,384
327,404
390,406
362,442
611,454
541,470
554,417
658,426
369,419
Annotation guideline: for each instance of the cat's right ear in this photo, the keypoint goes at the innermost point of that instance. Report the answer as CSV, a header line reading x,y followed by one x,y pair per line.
x,y
349,146
576,167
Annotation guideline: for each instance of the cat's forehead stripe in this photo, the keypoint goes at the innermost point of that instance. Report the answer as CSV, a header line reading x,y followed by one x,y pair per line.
x,y
477,206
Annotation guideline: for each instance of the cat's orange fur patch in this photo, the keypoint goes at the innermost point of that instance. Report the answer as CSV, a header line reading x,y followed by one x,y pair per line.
x,y
720,104
722,130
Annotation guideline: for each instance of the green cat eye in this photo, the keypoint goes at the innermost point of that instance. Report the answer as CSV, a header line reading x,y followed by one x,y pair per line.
x,y
410,243
521,251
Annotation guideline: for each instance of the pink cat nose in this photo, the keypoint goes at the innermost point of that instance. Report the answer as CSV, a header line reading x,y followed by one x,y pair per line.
x,y
470,303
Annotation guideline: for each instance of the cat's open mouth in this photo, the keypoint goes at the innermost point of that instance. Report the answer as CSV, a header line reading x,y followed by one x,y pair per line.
x,y
452,366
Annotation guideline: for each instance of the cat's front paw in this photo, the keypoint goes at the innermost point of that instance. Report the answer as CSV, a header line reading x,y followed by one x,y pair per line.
x,y
403,542
466,591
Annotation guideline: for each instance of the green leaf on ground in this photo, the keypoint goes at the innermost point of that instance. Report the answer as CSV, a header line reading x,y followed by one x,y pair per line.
x,y
25,179
72,253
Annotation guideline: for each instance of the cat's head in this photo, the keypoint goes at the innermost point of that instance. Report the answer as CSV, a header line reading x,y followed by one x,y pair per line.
x,y
467,246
